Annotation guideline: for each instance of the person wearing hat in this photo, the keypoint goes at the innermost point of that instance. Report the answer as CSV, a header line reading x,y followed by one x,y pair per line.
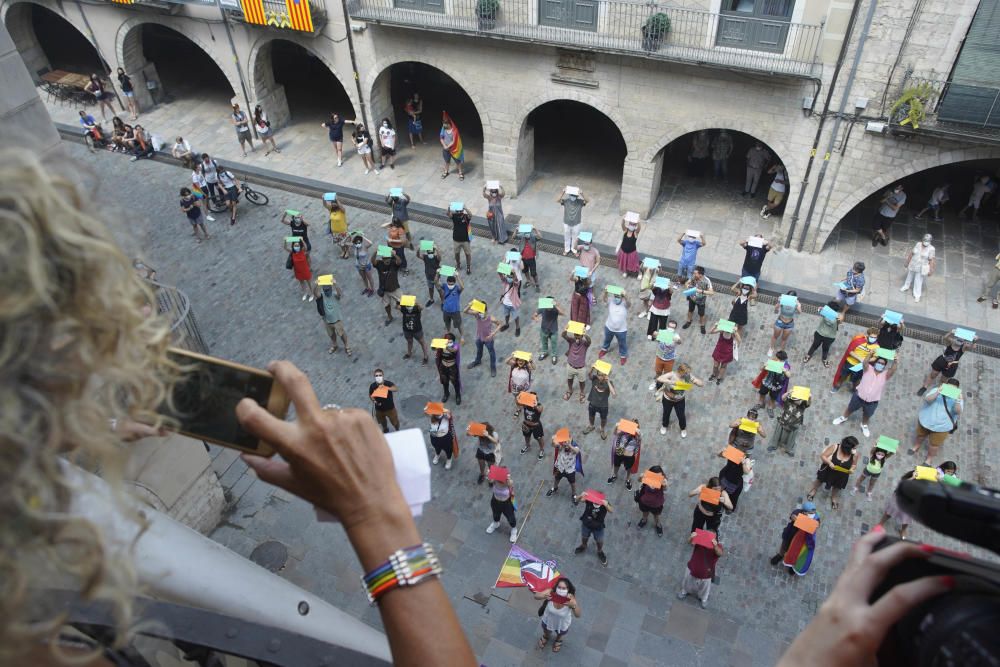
x,y
919,264
853,287
809,509
837,464
328,305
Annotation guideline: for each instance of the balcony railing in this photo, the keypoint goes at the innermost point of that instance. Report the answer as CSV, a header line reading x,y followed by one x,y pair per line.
x,y
617,26
965,109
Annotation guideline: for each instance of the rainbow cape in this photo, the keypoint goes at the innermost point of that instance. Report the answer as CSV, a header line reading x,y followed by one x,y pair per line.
x,y
455,148
523,569
800,552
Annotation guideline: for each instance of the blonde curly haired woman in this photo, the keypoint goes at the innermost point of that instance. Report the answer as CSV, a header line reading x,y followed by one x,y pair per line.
x,y
83,363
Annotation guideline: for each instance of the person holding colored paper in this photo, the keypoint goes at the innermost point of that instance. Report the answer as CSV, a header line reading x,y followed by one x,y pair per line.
x,y
616,326
724,352
502,500
518,378
461,221
702,287
576,361
413,328
732,473
363,263
298,261
626,446
797,545
946,365
510,299
837,464
579,305
890,334
450,290
564,462
789,421
938,418
493,194
853,287
328,305
595,512
628,253
396,238
650,497
572,203
672,388
527,245
877,459
743,432
700,569
874,376
590,257
712,498
427,252
487,447
659,309
830,319
531,425
549,328
755,250
601,388
387,265
689,253
786,309
558,612
448,362
380,392
667,341
442,434
746,293
772,381
487,327
297,226
650,271
338,224
860,348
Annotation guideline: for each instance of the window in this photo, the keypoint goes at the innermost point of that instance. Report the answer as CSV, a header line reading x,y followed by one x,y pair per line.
x,y
573,14
760,25
421,5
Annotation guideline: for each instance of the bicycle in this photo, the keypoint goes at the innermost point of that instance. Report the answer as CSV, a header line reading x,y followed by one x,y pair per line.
x,y
221,205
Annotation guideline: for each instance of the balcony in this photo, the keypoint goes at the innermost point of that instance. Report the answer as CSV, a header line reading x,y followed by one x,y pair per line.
x,y
306,16
967,110
721,40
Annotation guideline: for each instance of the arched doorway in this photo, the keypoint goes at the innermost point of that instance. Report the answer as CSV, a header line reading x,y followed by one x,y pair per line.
x,y
965,246
696,188
566,142
173,67
47,41
295,85
439,92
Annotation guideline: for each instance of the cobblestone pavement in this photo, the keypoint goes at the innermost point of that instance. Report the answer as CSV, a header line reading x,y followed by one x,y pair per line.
x,y
965,250
249,310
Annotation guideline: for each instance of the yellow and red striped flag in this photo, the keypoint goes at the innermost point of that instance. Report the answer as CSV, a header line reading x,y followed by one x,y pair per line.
x,y
124,2
253,11
300,15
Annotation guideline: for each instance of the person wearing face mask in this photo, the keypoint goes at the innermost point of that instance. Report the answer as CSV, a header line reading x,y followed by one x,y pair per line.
x,y
666,354
432,262
527,245
797,546
576,362
732,475
494,213
510,299
745,291
387,269
328,306
853,288
700,570
487,450
724,353
531,426
448,362
837,464
708,515
826,333
589,257
743,435
549,329
874,376
592,524
772,385
890,336
363,143
919,264
601,389
572,215
398,241
579,305
892,200
877,459
414,109
789,421
298,261
387,144
442,433
628,253
557,612
616,326
784,324
702,287
518,379
946,365
937,419
413,329
625,450
487,328
450,291
363,263
659,309
338,224
461,221
384,408
502,503
860,348
564,462
297,226
452,149
673,395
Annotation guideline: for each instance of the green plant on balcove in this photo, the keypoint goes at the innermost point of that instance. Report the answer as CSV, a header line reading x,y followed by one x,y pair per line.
x,y
658,25
911,107
487,9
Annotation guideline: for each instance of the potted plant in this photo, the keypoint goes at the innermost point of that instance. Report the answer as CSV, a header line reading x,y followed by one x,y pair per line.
x,y
911,108
654,31
487,11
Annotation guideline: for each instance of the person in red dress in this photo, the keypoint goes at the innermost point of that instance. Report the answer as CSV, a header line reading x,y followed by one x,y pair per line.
x,y
723,353
298,261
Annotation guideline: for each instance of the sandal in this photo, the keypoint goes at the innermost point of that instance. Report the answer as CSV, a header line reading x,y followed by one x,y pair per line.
x,y
557,646
567,395
826,363
543,642
810,495
461,177
583,398
834,504
347,351
444,175
806,359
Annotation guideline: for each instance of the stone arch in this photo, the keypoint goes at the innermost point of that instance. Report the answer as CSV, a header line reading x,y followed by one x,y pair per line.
x,y
881,180
776,144
573,95
17,16
130,56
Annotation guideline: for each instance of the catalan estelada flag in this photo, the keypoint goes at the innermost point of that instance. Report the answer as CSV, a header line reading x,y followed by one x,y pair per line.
x,y
299,15
253,11
523,569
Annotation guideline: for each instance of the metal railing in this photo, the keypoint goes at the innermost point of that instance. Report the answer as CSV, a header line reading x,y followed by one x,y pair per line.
x,y
968,109
618,26
176,306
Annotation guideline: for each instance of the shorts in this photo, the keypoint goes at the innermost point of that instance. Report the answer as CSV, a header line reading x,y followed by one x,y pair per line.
x,y
655,511
576,374
529,267
489,458
511,311
413,335
448,158
131,93
622,460
388,151
364,149
568,476
594,410
936,438
558,634
781,324
342,239
774,393
774,197
692,304
882,223
452,320
941,366
232,194
867,409
586,532
335,329
391,298
533,431
263,132
463,246
243,135
196,220
661,366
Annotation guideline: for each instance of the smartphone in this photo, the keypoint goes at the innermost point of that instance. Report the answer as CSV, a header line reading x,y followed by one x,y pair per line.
x,y
205,398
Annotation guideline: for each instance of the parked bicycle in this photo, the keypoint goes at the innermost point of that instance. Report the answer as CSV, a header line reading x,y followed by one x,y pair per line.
x,y
220,205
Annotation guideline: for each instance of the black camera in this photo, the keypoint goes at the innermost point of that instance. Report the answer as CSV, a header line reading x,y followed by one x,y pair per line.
x,y
962,627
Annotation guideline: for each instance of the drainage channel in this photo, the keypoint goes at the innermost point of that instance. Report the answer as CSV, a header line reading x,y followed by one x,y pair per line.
x,y
917,327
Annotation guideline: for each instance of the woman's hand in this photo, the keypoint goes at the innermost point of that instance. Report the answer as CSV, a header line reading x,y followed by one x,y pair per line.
x,y
848,629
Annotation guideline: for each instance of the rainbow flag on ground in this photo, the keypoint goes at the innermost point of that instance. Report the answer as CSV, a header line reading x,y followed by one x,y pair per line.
x,y
523,569
800,552
455,148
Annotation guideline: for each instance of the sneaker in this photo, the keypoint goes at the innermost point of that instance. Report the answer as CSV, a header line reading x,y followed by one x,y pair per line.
x,y
554,360
549,492
649,337
866,430
904,288
311,298
920,392
580,549
641,524
641,315
447,464
602,558
541,455
702,327
686,325
763,210
210,218
611,480
652,387
473,364
480,480
775,559
600,355
622,361
434,461
493,372
524,449
513,534
542,356
377,172
659,531
430,302
770,413
854,490
839,420
916,299
663,430
682,595
493,526
368,171
628,484
304,297
684,433
704,604
868,496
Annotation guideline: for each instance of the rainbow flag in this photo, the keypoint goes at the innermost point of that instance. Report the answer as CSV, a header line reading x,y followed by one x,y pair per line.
x,y
455,147
253,11
800,552
523,569
299,15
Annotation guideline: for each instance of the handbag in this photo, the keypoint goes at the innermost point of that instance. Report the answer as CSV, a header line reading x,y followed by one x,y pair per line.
x,y
288,262
541,610
954,422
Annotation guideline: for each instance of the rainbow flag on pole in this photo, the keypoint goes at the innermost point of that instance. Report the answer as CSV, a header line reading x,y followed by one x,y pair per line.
x,y
523,569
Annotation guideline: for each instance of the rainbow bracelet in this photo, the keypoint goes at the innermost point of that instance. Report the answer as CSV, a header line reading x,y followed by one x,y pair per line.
x,y
405,567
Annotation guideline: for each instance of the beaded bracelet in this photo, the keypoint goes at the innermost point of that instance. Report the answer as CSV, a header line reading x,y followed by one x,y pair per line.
x,y
405,567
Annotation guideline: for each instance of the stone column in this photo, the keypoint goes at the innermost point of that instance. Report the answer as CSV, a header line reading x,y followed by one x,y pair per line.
x,y
24,121
640,184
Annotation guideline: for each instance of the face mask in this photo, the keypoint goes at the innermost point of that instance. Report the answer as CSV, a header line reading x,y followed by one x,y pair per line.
x,y
296,248
385,124
562,592
872,339
926,243
746,290
880,367
565,448
618,299
357,245
379,379
879,455
451,284
585,247
430,253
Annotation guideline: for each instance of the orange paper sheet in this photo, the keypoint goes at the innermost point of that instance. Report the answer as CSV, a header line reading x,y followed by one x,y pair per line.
x,y
627,426
475,428
527,398
562,435
802,522
730,453
381,391
710,496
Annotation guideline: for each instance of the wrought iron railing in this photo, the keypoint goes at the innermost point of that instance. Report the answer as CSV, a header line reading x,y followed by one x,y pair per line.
x,y
961,108
176,306
619,26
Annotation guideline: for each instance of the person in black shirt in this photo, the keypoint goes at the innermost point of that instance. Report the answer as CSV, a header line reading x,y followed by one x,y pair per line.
x,y
298,227
754,259
413,329
385,408
592,523
128,90
432,262
890,336
460,220
531,427
387,269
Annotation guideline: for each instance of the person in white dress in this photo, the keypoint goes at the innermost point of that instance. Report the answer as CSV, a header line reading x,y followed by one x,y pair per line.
x,y
557,615
919,265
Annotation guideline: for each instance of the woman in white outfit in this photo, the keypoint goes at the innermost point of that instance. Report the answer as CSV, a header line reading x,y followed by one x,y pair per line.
x,y
919,265
557,615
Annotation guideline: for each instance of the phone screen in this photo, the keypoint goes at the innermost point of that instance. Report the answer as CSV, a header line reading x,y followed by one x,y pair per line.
x,y
205,401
